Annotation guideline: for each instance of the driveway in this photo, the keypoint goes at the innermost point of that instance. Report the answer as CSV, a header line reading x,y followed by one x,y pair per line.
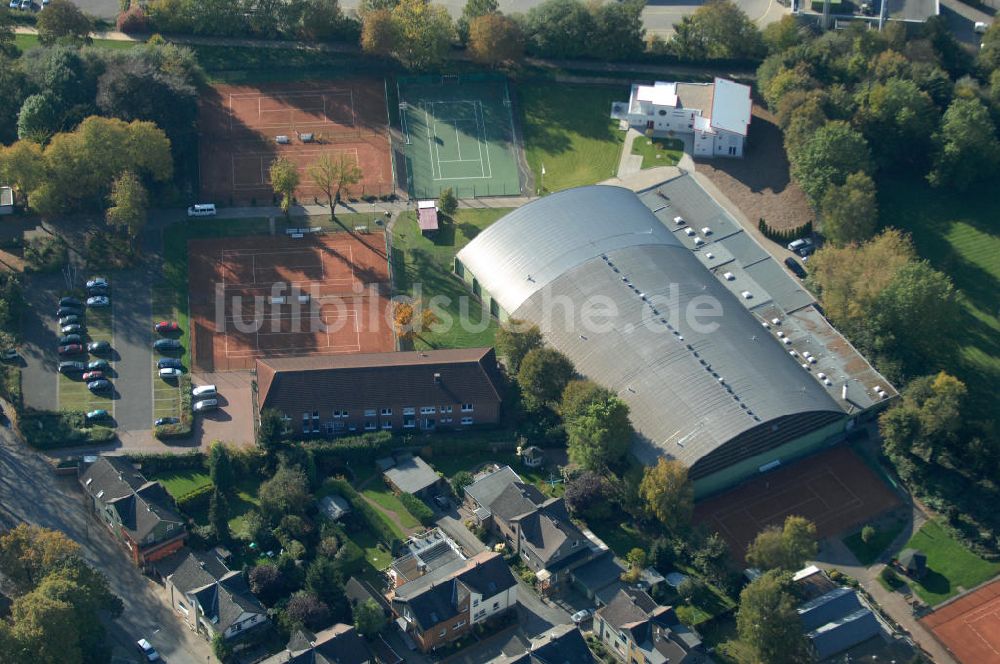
x,y
233,422
29,492
452,522
39,371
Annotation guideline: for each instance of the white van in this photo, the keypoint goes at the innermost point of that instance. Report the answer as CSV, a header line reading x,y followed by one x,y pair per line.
x,y
202,210
203,391
980,27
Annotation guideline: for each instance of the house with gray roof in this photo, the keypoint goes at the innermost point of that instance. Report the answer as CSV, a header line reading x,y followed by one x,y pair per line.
x,y
141,514
486,487
637,629
444,604
411,474
838,620
561,644
211,598
339,644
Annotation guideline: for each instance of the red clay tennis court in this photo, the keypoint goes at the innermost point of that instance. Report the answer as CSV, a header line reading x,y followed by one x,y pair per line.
x,y
279,296
834,489
970,626
240,125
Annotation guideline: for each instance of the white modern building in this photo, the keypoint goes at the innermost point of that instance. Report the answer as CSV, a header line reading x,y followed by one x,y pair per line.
x,y
718,113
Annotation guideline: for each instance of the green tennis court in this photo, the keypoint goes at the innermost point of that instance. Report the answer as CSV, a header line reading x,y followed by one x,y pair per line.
x,y
459,134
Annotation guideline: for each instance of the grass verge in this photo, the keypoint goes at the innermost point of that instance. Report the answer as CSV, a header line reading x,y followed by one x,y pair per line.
x,y
951,567
868,552
576,148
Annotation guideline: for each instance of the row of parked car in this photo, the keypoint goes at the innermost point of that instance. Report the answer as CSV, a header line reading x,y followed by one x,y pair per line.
x,y
205,398
72,327
27,5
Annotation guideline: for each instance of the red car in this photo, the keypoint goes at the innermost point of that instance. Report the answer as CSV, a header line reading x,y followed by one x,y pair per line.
x,y
70,349
167,326
92,375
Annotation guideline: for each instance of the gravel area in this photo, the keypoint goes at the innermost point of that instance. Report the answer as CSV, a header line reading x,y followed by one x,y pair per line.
x,y
759,184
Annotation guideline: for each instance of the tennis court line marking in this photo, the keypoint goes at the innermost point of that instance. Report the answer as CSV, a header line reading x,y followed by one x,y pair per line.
x,y
323,94
431,121
264,181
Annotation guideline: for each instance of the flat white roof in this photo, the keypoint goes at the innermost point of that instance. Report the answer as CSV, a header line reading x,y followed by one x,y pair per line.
x,y
424,205
731,106
660,94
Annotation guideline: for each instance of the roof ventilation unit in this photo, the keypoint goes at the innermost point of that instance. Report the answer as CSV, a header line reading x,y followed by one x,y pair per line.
x,y
706,230
728,276
746,295
709,255
679,221
775,321
781,335
821,375
698,242
786,341
689,231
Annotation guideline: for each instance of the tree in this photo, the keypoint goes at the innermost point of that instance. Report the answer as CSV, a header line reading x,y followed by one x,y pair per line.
x,y
220,467
636,563
989,51
495,40
850,211
868,533
543,375
514,340
472,10
221,648
927,420
267,583
967,149
63,20
133,20
86,592
410,321
587,495
305,611
8,47
323,19
23,165
218,516
668,493
333,176
459,481
424,33
782,35
44,630
270,431
559,29
447,202
29,553
324,580
717,30
378,32
601,435
833,153
784,548
898,120
369,619
129,203
287,492
618,32
284,180
578,396
38,120
768,623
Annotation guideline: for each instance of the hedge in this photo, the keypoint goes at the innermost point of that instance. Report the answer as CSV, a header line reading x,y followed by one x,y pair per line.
x,y
183,428
340,451
197,500
154,464
784,235
369,514
48,430
417,508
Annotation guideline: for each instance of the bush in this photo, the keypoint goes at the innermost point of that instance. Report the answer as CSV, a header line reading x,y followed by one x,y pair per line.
x,y
46,254
131,21
196,501
890,577
153,464
48,430
183,428
868,534
330,454
420,511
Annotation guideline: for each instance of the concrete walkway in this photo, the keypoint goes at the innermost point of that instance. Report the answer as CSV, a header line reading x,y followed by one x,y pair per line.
x,y
628,163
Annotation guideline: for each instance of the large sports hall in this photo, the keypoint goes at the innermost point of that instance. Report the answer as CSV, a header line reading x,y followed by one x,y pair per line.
x,y
625,283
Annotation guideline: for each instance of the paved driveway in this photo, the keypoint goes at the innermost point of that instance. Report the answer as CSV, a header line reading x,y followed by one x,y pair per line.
x,y
29,492
233,422
39,371
133,340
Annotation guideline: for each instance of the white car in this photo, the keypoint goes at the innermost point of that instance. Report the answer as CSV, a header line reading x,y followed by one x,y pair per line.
x,y
26,4
204,391
206,404
148,651
581,615
171,373
13,4
98,301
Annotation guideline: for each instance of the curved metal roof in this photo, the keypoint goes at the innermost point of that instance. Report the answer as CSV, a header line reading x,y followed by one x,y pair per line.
x,y
691,389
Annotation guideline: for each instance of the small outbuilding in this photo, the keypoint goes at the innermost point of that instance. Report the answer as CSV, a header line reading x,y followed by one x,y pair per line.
x,y
414,475
913,562
334,506
6,200
427,218
532,457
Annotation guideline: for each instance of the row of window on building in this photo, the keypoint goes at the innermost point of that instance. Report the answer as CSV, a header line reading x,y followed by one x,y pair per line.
x,y
311,421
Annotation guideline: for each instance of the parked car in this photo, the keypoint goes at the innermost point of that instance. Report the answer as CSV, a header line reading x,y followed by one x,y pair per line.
x,y
70,320
167,344
99,365
69,302
70,339
206,404
169,363
97,282
72,328
442,501
99,347
203,391
13,4
71,367
97,290
98,301
795,267
147,650
165,327
163,421
99,385
25,5
9,355
803,246
70,349
581,615
171,373
93,375
97,415
68,311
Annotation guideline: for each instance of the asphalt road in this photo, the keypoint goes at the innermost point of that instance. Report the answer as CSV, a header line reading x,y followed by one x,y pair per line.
x,y
29,492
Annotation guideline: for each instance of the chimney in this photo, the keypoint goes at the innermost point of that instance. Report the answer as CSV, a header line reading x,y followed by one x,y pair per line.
x,y
437,378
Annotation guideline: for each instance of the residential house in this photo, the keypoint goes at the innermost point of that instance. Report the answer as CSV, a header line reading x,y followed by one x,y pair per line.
x,y
562,644
422,554
340,644
485,488
211,598
603,571
412,474
443,605
407,391
358,591
140,513
716,114
637,629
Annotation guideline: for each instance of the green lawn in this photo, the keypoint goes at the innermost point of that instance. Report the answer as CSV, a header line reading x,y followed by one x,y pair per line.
x,y
958,234
568,129
425,267
658,151
382,496
375,556
868,553
620,536
241,504
951,567
27,42
180,483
